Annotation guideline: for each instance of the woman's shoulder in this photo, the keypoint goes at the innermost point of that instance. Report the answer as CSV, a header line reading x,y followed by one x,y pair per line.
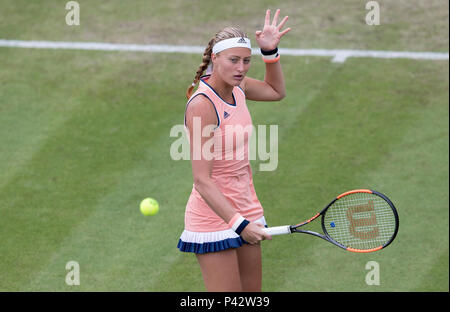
x,y
201,106
199,102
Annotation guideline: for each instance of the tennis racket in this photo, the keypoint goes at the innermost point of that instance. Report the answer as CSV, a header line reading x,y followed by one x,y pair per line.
x,y
357,221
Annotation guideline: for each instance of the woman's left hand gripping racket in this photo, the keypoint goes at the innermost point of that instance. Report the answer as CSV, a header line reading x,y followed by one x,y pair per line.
x,y
358,221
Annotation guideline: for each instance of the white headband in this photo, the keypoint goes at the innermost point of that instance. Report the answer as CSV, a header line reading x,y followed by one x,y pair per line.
x,y
236,42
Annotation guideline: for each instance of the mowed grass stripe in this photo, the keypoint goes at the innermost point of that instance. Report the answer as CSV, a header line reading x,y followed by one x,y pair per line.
x,y
120,115
349,134
32,104
119,249
416,174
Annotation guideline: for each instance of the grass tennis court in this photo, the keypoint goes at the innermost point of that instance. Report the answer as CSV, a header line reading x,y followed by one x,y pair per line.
x,y
84,137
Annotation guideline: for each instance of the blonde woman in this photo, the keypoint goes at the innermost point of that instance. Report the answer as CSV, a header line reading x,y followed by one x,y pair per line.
x,y
224,219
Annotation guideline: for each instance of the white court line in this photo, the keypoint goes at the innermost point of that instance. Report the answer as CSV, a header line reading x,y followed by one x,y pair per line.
x,y
338,56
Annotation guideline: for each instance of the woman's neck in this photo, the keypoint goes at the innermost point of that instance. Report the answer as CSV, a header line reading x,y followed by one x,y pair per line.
x,y
224,90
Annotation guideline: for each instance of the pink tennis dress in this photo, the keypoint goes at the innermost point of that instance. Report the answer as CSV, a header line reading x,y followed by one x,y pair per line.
x,y
204,230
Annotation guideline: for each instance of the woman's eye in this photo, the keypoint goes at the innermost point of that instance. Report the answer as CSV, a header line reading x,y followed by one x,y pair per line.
x,y
234,60
246,61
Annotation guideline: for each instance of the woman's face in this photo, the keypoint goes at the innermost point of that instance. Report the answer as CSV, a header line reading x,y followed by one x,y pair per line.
x,y
232,65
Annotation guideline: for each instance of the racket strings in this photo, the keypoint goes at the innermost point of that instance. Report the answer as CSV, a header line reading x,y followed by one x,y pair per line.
x,y
360,221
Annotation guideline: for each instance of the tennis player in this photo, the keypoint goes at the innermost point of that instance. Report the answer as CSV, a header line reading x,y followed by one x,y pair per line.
x,y
224,218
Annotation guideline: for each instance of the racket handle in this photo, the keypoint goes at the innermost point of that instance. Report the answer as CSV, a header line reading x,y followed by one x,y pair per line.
x,y
278,230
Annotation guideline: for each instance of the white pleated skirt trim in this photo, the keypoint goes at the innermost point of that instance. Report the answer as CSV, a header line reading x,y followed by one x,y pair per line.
x,y
204,242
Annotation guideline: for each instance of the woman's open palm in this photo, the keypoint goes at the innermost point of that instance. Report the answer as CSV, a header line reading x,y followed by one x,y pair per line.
x,y
270,36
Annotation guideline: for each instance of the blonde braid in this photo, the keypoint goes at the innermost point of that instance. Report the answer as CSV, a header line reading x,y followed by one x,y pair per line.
x,y
203,66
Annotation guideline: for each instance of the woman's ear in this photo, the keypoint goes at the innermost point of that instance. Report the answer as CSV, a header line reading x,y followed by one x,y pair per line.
x,y
213,57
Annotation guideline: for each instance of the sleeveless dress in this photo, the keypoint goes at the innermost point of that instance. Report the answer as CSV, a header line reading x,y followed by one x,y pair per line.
x,y
204,230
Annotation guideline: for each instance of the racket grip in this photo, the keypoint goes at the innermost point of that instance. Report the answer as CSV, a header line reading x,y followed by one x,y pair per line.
x,y
278,230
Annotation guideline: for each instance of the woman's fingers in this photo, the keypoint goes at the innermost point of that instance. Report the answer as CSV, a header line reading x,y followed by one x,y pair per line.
x,y
282,23
264,235
285,32
275,18
253,233
267,21
273,27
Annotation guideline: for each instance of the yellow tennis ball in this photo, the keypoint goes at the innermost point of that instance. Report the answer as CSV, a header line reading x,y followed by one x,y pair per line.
x,y
149,207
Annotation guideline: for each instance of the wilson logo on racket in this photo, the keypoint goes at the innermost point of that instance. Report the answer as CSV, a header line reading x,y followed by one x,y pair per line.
x,y
366,222
358,221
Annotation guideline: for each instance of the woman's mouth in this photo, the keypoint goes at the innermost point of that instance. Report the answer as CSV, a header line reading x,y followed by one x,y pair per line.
x,y
238,77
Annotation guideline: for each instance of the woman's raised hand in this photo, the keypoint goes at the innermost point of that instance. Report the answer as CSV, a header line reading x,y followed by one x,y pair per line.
x,y
270,36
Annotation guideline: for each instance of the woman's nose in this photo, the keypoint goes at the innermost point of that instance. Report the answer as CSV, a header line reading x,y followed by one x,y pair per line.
x,y
241,66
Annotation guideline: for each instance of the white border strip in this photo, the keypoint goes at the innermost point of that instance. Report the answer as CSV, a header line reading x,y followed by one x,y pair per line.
x,y
338,56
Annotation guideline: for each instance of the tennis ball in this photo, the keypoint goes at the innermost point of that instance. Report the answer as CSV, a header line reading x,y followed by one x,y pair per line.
x,y
149,207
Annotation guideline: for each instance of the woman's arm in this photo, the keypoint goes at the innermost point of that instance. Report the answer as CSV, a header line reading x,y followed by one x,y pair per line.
x,y
201,108
273,87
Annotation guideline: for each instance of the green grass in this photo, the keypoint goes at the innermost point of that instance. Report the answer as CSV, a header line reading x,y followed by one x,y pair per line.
x,y
412,25
84,136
